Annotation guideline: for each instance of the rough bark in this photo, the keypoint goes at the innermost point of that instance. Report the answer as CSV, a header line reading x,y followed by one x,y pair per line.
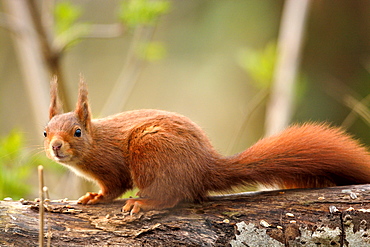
x,y
319,217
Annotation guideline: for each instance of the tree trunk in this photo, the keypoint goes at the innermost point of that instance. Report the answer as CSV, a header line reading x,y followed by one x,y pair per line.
x,y
318,217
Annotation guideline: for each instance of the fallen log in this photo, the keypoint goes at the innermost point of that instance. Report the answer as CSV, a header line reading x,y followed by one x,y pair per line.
x,y
337,216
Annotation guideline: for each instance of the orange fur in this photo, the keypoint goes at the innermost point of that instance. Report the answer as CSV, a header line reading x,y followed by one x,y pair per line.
x,y
170,159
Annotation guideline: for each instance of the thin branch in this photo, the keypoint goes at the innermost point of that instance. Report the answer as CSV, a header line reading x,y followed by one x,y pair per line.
x,y
254,103
346,96
279,109
106,31
47,15
358,108
44,36
129,74
50,55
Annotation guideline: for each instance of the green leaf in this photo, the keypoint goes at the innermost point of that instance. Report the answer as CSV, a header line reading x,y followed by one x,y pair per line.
x,y
68,31
259,64
14,166
10,145
152,51
142,12
66,14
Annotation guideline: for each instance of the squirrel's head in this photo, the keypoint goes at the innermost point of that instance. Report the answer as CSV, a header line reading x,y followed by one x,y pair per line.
x,y
68,135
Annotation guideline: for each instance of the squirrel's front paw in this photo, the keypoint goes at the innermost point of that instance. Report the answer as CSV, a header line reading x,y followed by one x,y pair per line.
x,y
91,198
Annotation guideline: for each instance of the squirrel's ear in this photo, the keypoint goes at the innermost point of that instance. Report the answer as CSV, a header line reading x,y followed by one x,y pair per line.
x,y
55,105
82,107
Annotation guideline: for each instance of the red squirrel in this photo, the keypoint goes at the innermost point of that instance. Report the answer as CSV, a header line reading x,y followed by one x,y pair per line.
x,y
170,159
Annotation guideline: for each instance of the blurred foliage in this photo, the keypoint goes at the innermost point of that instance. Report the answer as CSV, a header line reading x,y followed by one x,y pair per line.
x,y
152,51
66,15
133,13
67,29
259,64
15,166
18,166
142,12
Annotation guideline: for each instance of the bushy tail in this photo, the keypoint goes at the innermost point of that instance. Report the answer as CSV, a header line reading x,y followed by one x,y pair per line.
x,y
306,156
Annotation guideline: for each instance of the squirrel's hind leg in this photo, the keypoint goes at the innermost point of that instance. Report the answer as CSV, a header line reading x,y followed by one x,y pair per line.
x,y
136,205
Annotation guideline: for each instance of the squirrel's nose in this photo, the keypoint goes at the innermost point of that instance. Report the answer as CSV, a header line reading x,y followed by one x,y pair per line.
x,y
56,145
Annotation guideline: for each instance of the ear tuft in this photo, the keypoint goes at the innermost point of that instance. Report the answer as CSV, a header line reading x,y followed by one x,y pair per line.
x,y
55,105
82,107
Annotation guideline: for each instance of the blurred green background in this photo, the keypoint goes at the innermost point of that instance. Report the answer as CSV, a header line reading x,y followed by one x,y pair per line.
x,y
211,60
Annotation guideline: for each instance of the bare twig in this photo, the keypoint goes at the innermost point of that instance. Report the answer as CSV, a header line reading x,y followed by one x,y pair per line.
x,y
345,95
47,15
129,74
256,102
105,31
279,109
358,108
45,38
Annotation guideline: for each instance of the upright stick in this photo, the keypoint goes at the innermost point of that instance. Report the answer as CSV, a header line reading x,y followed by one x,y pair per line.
x,y
41,206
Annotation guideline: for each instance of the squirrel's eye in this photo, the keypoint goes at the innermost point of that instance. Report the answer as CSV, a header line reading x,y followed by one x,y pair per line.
x,y
45,134
78,133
